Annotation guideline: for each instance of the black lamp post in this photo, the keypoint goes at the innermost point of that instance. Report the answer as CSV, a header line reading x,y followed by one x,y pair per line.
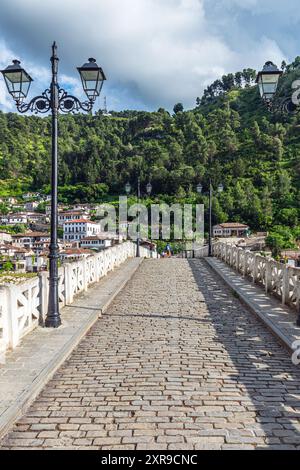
x,y
210,195
148,190
55,100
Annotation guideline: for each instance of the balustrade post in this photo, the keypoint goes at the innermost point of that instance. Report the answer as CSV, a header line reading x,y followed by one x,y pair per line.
x,y
43,290
237,262
97,268
68,283
245,263
84,274
13,327
4,312
268,275
285,285
255,268
230,255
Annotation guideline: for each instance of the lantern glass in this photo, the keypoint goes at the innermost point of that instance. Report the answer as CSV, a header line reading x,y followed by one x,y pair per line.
x,y
199,188
267,80
17,81
149,188
92,78
220,188
127,188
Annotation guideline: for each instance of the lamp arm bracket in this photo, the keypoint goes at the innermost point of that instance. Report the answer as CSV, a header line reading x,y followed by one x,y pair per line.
x,y
282,105
38,104
70,104
66,103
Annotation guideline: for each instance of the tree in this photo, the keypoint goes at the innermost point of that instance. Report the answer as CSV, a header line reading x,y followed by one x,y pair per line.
x,y
178,108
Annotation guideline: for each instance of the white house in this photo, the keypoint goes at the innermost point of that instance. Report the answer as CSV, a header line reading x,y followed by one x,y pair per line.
x,y
31,195
75,230
73,254
28,240
13,219
230,229
31,206
5,237
36,217
66,216
97,242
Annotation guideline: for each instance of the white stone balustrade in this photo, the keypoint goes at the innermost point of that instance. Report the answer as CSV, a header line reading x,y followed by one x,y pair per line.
x,y
199,252
24,306
278,279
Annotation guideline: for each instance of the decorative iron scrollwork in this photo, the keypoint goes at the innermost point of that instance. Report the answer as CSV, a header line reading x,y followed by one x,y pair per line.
x,y
70,104
39,104
66,103
284,106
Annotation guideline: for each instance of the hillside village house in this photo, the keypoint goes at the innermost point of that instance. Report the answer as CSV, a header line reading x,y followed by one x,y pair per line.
x,y
73,254
37,217
99,242
27,240
20,258
5,237
31,206
67,216
14,219
31,195
11,200
230,229
75,230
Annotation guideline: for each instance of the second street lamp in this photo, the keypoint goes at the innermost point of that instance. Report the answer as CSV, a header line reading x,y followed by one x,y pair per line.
x,y
149,188
55,99
199,188
148,191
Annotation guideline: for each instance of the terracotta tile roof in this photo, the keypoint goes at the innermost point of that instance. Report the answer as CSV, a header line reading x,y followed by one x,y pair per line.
x,y
87,221
31,234
233,225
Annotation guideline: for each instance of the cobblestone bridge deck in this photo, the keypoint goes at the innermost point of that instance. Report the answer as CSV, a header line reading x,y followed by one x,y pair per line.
x,y
177,362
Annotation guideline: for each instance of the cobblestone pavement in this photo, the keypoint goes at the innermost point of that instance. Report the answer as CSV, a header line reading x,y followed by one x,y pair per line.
x,y
177,362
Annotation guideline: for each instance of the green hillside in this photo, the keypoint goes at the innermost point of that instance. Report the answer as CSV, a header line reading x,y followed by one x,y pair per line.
x,y
230,135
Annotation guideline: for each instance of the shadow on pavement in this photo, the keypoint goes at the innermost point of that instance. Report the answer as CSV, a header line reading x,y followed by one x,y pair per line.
x,y
264,370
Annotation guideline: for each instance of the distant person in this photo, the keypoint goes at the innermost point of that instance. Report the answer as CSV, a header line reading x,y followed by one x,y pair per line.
x,y
168,250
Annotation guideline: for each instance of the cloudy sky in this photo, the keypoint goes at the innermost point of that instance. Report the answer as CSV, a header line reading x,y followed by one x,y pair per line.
x,y
154,52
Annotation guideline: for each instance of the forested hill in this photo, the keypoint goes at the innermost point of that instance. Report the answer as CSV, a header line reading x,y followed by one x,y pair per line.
x,y
254,154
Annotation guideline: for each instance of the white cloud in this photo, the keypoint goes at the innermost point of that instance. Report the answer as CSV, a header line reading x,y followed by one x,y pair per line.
x,y
5,56
163,51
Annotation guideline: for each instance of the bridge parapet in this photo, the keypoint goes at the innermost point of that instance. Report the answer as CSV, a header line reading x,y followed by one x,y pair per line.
x,y
24,306
278,279
200,252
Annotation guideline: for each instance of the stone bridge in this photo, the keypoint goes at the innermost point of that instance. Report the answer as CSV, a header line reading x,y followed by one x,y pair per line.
x,y
163,354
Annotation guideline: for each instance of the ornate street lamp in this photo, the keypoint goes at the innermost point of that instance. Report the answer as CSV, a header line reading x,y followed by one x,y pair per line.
x,y
17,81
199,189
55,100
127,188
149,188
92,78
267,80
